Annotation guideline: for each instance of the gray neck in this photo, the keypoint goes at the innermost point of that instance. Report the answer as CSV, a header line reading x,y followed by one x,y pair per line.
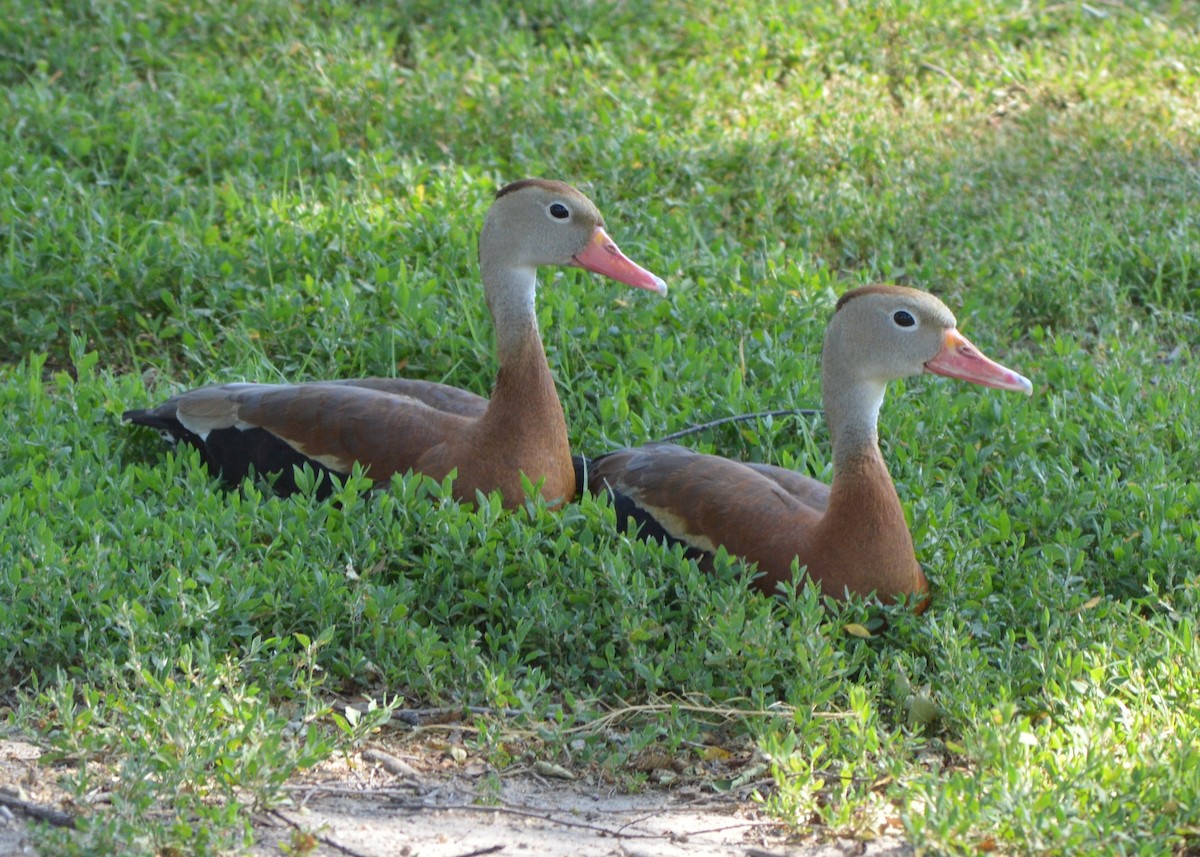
x,y
851,410
510,292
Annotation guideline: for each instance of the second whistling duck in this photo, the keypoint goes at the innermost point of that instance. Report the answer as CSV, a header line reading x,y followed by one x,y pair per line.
x,y
396,425
851,536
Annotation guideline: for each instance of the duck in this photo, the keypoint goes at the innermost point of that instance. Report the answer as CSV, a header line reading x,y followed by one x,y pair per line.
x,y
397,425
849,537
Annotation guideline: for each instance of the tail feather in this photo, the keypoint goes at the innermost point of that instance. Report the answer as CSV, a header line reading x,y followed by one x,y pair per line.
x,y
233,453
154,419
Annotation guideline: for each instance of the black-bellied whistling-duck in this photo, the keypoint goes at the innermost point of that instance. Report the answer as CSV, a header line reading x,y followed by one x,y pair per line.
x,y
396,425
851,536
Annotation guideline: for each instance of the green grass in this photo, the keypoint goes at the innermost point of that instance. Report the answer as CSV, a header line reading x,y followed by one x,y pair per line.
x,y
266,190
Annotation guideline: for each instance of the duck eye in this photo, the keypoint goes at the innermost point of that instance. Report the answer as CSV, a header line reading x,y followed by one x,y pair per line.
x,y
903,318
559,211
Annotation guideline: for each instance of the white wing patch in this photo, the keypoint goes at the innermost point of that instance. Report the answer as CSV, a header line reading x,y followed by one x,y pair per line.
x,y
338,465
211,409
202,424
672,523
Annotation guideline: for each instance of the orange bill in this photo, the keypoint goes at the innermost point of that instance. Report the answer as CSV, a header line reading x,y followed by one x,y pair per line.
x,y
603,256
960,359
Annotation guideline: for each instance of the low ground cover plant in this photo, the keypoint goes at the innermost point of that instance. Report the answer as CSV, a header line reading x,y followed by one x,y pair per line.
x,y
276,191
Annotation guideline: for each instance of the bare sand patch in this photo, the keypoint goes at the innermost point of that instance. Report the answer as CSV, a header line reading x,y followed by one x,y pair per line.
x,y
417,801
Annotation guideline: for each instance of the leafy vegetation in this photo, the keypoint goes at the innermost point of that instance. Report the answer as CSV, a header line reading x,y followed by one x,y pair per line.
x,y
268,190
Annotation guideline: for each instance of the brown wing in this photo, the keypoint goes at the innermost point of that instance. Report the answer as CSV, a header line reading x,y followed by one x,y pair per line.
x,y
332,424
706,501
442,397
809,491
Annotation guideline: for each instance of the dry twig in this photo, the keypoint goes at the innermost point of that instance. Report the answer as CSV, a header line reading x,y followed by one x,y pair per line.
x,y
37,811
324,840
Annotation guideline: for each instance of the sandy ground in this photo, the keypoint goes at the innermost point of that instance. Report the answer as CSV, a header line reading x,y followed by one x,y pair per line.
x,y
423,801
21,777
